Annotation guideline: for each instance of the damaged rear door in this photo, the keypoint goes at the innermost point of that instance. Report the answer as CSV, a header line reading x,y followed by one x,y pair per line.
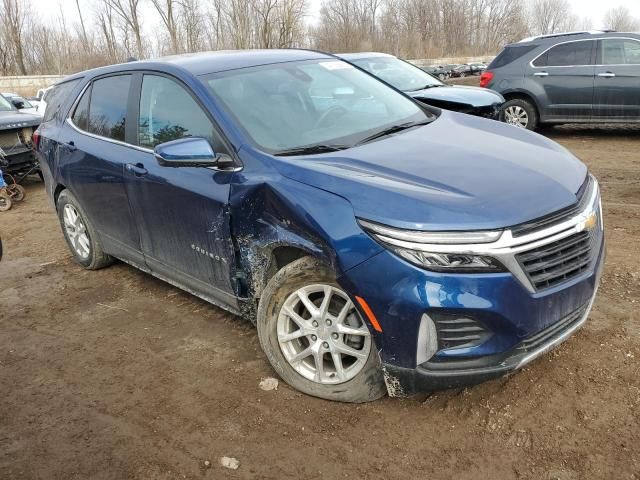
x,y
182,212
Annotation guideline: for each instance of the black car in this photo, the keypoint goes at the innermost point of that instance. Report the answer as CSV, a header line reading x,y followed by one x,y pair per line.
x,y
468,70
16,133
439,71
576,77
426,88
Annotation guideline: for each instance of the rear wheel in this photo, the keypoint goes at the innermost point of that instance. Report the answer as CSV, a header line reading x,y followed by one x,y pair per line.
x,y
5,202
79,233
17,192
442,77
314,337
520,113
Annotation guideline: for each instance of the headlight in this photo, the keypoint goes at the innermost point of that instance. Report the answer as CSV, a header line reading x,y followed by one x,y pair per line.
x,y
429,249
447,262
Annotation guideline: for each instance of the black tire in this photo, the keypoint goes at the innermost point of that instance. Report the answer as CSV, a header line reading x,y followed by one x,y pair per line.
x,y
17,192
528,107
5,202
366,386
96,258
442,77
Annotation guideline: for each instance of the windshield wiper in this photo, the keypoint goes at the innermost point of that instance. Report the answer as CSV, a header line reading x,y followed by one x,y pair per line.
x,y
393,129
310,150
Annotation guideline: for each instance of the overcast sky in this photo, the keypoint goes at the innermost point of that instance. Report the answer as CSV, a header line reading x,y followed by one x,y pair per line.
x,y
593,9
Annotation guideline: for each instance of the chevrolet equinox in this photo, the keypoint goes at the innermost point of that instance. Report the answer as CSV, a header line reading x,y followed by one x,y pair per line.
x,y
297,191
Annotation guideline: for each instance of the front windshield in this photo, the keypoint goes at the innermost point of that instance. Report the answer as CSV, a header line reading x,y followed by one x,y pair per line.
x,y
297,104
400,74
5,106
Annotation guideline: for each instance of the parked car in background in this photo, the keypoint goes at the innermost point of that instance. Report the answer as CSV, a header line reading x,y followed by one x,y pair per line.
x,y
478,68
21,103
440,71
424,87
378,246
581,77
467,70
16,134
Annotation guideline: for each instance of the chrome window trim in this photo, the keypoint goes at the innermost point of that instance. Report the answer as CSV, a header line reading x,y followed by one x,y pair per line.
x,y
585,40
140,149
506,247
106,139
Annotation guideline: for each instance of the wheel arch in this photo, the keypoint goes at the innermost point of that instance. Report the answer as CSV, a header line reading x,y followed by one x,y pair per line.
x,y
522,95
56,193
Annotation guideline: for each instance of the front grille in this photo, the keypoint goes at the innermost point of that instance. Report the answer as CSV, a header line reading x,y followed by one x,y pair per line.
x,y
557,328
562,260
456,331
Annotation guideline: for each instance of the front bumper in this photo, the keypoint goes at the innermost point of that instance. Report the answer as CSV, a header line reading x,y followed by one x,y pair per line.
x,y
433,376
489,324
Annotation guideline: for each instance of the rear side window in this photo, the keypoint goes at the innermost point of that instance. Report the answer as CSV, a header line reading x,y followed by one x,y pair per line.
x,y
620,52
108,107
566,55
168,112
510,55
80,116
56,97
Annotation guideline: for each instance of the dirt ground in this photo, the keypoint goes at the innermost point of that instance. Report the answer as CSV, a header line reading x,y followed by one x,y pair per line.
x,y
113,375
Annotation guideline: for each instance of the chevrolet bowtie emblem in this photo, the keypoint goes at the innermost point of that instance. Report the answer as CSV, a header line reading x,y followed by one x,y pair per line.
x,y
591,221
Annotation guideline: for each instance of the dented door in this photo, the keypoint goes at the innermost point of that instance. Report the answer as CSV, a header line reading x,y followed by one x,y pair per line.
x,y
183,212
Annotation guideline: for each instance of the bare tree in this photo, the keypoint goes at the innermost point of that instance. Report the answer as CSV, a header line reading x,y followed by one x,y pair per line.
x,y
192,25
128,11
551,16
14,15
167,9
106,24
621,20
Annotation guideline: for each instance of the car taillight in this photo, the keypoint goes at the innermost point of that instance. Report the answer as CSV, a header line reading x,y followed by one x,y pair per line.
x,y
486,78
35,138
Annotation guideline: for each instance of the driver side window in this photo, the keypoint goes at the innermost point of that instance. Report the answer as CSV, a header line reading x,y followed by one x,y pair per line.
x,y
168,112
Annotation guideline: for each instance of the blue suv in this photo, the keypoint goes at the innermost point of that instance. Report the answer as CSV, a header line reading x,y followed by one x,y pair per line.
x,y
297,191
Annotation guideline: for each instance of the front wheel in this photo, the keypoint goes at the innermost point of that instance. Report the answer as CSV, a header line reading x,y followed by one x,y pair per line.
x,y
315,338
442,77
520,113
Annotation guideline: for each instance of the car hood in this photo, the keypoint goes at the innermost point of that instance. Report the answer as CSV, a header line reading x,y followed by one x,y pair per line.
x,y
471,96
13,119
458,173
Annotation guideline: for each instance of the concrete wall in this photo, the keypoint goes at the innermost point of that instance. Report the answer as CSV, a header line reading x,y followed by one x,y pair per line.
x,y
28,85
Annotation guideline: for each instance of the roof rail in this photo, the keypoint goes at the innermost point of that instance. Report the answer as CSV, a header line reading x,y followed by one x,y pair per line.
x,y
565,34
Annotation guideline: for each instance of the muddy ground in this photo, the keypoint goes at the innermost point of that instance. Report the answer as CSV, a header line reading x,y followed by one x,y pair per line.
x,y
113,374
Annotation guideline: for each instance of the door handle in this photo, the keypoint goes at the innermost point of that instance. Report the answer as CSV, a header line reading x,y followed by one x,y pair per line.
x,y
607,74
70,145
137,169
541,74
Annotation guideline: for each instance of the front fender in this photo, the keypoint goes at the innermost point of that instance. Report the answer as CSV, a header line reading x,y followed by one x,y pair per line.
x,y
271,211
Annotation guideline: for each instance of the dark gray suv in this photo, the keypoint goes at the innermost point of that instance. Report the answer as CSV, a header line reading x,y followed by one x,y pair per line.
x,y
586,77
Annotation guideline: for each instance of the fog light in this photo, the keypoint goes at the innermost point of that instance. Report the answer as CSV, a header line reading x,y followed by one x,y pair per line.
x,y
427,340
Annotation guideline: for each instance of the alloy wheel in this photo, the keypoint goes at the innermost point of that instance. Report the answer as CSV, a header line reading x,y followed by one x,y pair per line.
x,y
322,335
76,231
516,115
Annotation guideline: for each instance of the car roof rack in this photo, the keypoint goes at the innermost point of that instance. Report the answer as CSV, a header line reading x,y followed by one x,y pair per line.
x,y
565,34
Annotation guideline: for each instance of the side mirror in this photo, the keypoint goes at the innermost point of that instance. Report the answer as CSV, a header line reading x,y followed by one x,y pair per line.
x,y
18,104
190,152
